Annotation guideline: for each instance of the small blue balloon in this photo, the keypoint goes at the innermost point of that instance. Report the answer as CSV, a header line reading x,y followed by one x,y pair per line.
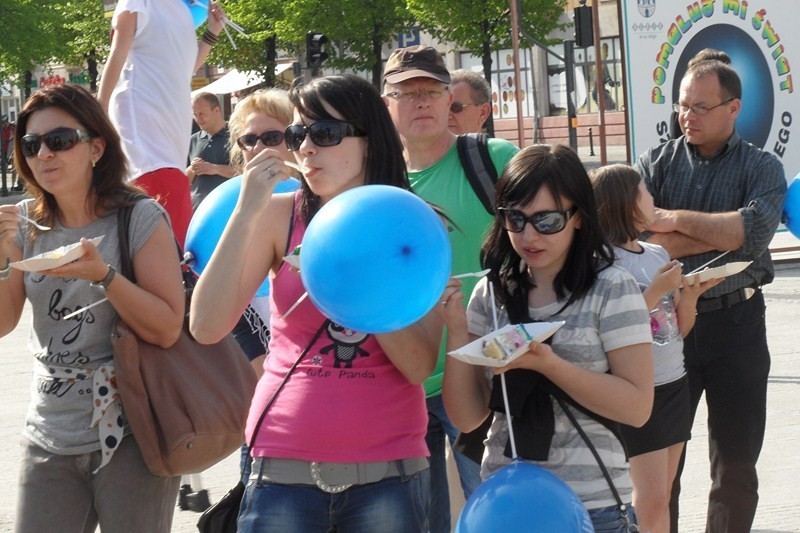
x,y
199,9
211,217
791,207
524,497
375,259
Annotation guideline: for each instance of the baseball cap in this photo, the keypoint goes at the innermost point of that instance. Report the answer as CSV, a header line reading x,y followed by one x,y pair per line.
x,y
415,62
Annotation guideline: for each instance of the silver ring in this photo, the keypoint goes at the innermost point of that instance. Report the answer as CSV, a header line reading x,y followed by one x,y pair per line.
x,y
272,171
444,302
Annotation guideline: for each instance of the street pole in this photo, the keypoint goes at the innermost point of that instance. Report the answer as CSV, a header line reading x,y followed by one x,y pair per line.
x,y
517,74
4,164
572,113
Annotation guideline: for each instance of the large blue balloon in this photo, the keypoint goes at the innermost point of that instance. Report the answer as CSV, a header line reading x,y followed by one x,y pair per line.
x,y
791,207
375,259
199,9
211,217
524,497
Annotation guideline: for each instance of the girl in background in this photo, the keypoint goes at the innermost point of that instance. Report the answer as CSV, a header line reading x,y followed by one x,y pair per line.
x,y
625,209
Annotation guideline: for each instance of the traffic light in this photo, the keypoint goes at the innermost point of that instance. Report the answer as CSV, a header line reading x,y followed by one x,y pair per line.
x,y
584,30
314,54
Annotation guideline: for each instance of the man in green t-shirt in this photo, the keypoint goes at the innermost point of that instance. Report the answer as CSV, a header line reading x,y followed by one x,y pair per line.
x,y
416,91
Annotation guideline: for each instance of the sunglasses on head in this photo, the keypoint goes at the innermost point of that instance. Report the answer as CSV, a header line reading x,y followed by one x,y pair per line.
x,y
268,138
57,140
545,222
458,107
322,133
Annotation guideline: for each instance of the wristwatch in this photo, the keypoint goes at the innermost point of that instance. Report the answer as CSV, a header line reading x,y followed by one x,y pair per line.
x,y
106,281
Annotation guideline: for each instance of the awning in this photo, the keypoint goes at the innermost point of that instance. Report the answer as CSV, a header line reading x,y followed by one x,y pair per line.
x,y
233,81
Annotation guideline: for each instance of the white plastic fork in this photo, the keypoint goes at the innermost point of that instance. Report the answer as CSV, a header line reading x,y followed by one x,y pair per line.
x,y
295,166
34,223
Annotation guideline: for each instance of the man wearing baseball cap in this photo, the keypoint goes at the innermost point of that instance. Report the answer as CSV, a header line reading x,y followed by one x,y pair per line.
x,y
416,90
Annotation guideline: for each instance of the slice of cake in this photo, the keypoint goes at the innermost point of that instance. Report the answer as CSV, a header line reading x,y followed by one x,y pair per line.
x,y
508,344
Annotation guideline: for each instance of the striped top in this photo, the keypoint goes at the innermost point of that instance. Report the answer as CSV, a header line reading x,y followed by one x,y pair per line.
x,y
612,315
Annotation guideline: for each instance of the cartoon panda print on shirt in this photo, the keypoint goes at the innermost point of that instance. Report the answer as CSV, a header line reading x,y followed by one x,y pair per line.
x,y
346,345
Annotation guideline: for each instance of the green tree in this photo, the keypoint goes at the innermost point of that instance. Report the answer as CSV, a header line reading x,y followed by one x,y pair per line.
x,y
86,32
30,35
484,26
258,50
357,31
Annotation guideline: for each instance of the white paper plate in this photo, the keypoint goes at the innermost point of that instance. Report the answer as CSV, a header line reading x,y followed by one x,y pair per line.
x,y
472,353
728,269
54,258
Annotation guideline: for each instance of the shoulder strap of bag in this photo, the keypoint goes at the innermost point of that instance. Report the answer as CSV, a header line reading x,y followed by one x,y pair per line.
x,y
623,509
123,225
473,151
282,383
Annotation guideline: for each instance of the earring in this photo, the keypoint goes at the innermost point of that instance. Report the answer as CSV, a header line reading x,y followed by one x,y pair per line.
x,y
93,163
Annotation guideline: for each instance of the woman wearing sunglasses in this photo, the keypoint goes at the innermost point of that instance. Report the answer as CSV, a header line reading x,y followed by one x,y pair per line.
x,y
80,466
258,122
549,261
342,446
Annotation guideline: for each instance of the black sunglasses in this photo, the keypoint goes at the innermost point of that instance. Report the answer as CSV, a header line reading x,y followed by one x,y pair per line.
x,y
458,107
57,140
545,222
268,138
322,133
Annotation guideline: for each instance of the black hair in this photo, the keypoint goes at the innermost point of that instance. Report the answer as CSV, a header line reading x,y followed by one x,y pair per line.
x,y
560,170
359,103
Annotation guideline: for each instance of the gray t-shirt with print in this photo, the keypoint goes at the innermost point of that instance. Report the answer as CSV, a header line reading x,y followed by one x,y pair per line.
x,y
60,412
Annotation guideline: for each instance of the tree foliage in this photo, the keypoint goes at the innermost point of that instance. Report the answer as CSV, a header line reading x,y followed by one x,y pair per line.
x,y
30,35
484,26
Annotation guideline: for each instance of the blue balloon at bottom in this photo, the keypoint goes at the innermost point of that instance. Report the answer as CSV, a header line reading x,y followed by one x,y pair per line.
x,y
791,207
524,497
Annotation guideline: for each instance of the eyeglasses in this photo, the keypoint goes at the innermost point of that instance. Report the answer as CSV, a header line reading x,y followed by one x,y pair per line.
x,y
697,109
458,107
268,138
545,222
322,133
57,140
421,94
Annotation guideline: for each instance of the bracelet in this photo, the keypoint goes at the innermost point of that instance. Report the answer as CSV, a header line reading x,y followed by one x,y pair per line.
x,y
5,273
209,38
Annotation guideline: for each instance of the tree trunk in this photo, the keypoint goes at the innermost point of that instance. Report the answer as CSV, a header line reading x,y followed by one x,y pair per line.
x,y
377,65
270,55
26,90
91,66
487,73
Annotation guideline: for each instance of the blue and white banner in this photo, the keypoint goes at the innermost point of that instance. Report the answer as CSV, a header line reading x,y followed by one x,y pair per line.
x,y
763,42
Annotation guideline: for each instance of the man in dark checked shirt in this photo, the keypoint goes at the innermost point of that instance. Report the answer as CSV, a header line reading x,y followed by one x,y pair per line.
x,y
716,192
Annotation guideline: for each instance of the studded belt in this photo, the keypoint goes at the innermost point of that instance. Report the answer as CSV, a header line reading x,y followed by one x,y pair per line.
x,y
332,477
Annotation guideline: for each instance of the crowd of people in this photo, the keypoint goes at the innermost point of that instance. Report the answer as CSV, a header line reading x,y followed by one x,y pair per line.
x,y
606,404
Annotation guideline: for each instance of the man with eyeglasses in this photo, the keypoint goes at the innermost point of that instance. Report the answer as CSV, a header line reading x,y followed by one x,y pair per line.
x,y
209,159
417,94
715,192
471,105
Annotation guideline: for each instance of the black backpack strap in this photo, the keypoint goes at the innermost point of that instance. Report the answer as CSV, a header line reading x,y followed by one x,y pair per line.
x,y
473,151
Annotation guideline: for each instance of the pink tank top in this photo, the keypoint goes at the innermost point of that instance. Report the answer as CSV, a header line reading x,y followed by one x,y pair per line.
x,y
345,402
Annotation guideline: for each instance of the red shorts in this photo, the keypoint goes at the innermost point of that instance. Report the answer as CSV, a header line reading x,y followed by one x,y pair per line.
x,y
170,187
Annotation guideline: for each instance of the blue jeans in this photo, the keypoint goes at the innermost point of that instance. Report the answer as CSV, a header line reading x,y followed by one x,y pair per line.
x,y
469,471
610,520
393,505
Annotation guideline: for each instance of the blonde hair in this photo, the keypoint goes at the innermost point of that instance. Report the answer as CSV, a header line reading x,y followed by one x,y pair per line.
x,y
271,102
